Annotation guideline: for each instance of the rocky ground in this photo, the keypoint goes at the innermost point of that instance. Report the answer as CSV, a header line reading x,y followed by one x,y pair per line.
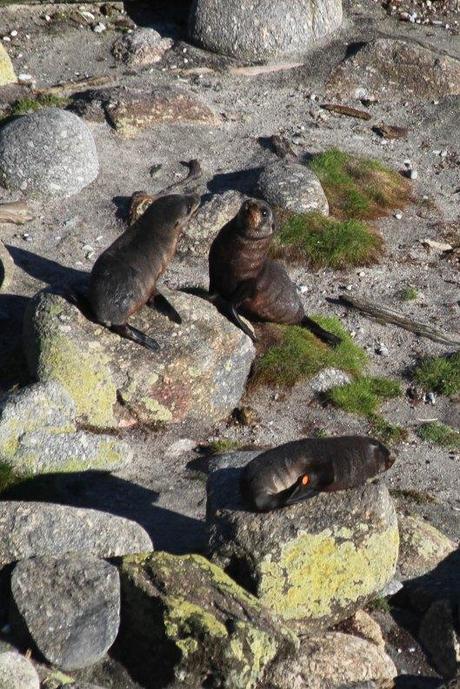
x,y
230,106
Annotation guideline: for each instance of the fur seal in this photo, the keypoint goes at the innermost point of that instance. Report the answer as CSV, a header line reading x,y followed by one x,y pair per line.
x,y
247,281
124,277
300,469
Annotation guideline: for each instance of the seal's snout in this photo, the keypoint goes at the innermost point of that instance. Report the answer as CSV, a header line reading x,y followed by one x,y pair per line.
x,y
257,218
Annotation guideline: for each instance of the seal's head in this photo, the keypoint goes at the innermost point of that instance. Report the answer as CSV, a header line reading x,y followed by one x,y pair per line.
x,y
171,211
383,458
255,219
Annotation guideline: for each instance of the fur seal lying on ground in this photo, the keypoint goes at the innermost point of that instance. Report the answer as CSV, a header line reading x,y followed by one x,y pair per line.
x,y
124,277
247,281
300,469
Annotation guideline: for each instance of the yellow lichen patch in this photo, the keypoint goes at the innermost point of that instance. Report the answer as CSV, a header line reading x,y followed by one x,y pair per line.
x,y
253,649
184,618
319,572
7,75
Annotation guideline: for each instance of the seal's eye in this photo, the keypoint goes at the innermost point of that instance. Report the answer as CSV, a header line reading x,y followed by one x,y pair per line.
x,y
305,480
264,213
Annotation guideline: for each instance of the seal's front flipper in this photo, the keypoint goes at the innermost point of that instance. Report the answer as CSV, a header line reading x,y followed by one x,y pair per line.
x,y
324,335
161,304
135,335
298,493
228,309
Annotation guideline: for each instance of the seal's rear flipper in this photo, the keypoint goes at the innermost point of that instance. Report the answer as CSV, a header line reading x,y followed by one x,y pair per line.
x,y
322,334
228,309
135,335
164,306
298,493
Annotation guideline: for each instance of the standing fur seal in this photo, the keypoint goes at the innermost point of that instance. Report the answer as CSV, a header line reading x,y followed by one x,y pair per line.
x,y
124,277
300,469
250,283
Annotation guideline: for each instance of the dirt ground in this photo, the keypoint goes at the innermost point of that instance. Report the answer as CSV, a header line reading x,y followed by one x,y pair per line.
x,y
167,493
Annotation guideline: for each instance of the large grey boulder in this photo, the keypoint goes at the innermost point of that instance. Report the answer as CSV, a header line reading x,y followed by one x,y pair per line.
x,y
16,672
30,529
200,373
38,434
50,152
254,30
316,562
70,606
422,547
293,187
184,618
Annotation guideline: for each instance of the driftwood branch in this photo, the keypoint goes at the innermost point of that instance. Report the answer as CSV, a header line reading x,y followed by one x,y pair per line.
x,y
388,315
15,212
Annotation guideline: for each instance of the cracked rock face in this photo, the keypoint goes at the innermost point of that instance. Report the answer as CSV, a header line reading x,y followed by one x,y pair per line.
x,y
199,374
263,30
316,562
47,153
70,607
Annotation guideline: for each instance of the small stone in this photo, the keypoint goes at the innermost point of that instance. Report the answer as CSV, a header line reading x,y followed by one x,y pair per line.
x,y
398,215
329,378
33,529
413,174
382,349
141,47
430,398
180,447
99,28
70,607
16,672
292,186
25,78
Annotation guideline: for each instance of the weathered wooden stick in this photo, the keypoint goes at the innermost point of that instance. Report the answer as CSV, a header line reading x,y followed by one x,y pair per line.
x,y
15,212
388,315
70,87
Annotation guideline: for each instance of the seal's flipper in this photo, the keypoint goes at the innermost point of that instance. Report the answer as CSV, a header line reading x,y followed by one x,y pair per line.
x,y
164,306
135,335
298,493
322,334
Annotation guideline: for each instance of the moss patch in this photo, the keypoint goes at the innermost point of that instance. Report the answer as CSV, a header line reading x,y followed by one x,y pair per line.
x,y
408,293
440,434
440,374
298,354
8,477
364,395
359,187
217,447
26,105
326,242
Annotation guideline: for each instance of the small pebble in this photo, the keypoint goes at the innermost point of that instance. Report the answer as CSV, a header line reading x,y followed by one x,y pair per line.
x,y
13,33
398,215
99,28
7,39
430,398
382,349
413,174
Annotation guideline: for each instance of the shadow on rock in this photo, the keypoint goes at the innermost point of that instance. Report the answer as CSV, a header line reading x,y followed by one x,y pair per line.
x,y
46,270
168,17
169,531
243,181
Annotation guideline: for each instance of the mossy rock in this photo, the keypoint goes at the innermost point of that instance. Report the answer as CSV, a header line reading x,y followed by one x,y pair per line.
x,y
316,562
7,75
186,620
200,373
422,547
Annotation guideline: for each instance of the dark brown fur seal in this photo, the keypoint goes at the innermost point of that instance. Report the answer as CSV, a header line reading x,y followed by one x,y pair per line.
x,y
300,469
250,283
124,277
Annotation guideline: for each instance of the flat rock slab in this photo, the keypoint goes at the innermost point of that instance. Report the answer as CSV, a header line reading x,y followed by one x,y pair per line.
x,y
292,187
318,561
7,75
38,435
388,69
6,268
333,660
16,672
50,152
32,529
260,30
130,111
422,547
200,372
70,607
184,618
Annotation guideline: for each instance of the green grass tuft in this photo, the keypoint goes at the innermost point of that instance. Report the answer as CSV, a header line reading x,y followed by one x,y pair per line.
x,y
299,354
379,604
359,187
386,432
440,374
8,478
326,242
218,447
440,434
364,395
26,105
409,293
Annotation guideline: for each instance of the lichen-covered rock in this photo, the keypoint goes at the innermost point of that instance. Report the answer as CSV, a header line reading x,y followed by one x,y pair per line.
x,y
185,619
293,187
332,660
6,268
363,625
7,75
388,69
438,637
143,46
16,672
70,607
264,29
50,152
318,561
422,547
199,374
32,529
